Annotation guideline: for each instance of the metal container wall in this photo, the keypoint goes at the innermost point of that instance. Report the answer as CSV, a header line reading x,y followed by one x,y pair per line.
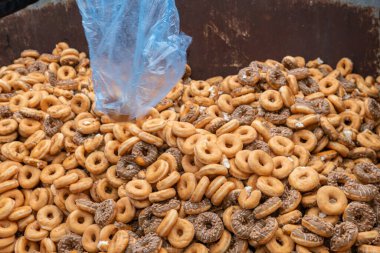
x,y
227,34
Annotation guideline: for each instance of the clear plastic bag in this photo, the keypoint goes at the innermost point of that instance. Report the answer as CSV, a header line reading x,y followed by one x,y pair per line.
x,y
137,52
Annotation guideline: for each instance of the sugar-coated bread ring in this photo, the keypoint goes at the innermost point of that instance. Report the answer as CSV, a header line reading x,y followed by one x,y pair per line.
x,y
248,198
338,147
23,223
9,170
302,154
157,171
286,245
8,185
111,151
90,237
104,190
183,129
211,170
247,134
271,100
215,184
96,162
182,233
23,245
57,143
172,158
228,127
225,103
289,217
260,163
8,126
227,216
287,96
119,242
6,207
19,213
283,166
49,217
369,139
47,245
176,92
331,200
281,145
304,179
207,152
39,198
88,126
328,85
269,206
30,53
80,103
29,177
66,72
28,126
34,232
241,161
350,119
125,210
153,125
150,138
127,145
138,189
244,99
71,200
186,185
59,232
262,128
368,248
78,221
82,185
168,115
214,111
270,186
197,247
305,138
200,189
120,131
41,149
236,172
229,144
222,192
167,223
48,101
17,196
169,181
17,102
8,228
59,111
51,172
187,146
162,195
344,66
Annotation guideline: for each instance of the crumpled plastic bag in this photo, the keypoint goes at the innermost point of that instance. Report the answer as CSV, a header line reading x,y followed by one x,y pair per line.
x,y
137,52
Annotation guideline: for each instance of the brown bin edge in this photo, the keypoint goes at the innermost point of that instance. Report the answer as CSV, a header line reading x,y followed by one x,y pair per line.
x,y
227,34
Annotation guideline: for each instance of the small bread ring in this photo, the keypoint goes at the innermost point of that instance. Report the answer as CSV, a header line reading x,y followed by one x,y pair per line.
x,y
271,100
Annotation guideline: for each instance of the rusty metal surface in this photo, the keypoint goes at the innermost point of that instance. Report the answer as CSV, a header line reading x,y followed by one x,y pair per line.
x,y
227,34
40,27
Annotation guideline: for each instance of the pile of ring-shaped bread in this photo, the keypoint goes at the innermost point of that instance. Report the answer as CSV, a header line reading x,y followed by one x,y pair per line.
x,y
281,157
